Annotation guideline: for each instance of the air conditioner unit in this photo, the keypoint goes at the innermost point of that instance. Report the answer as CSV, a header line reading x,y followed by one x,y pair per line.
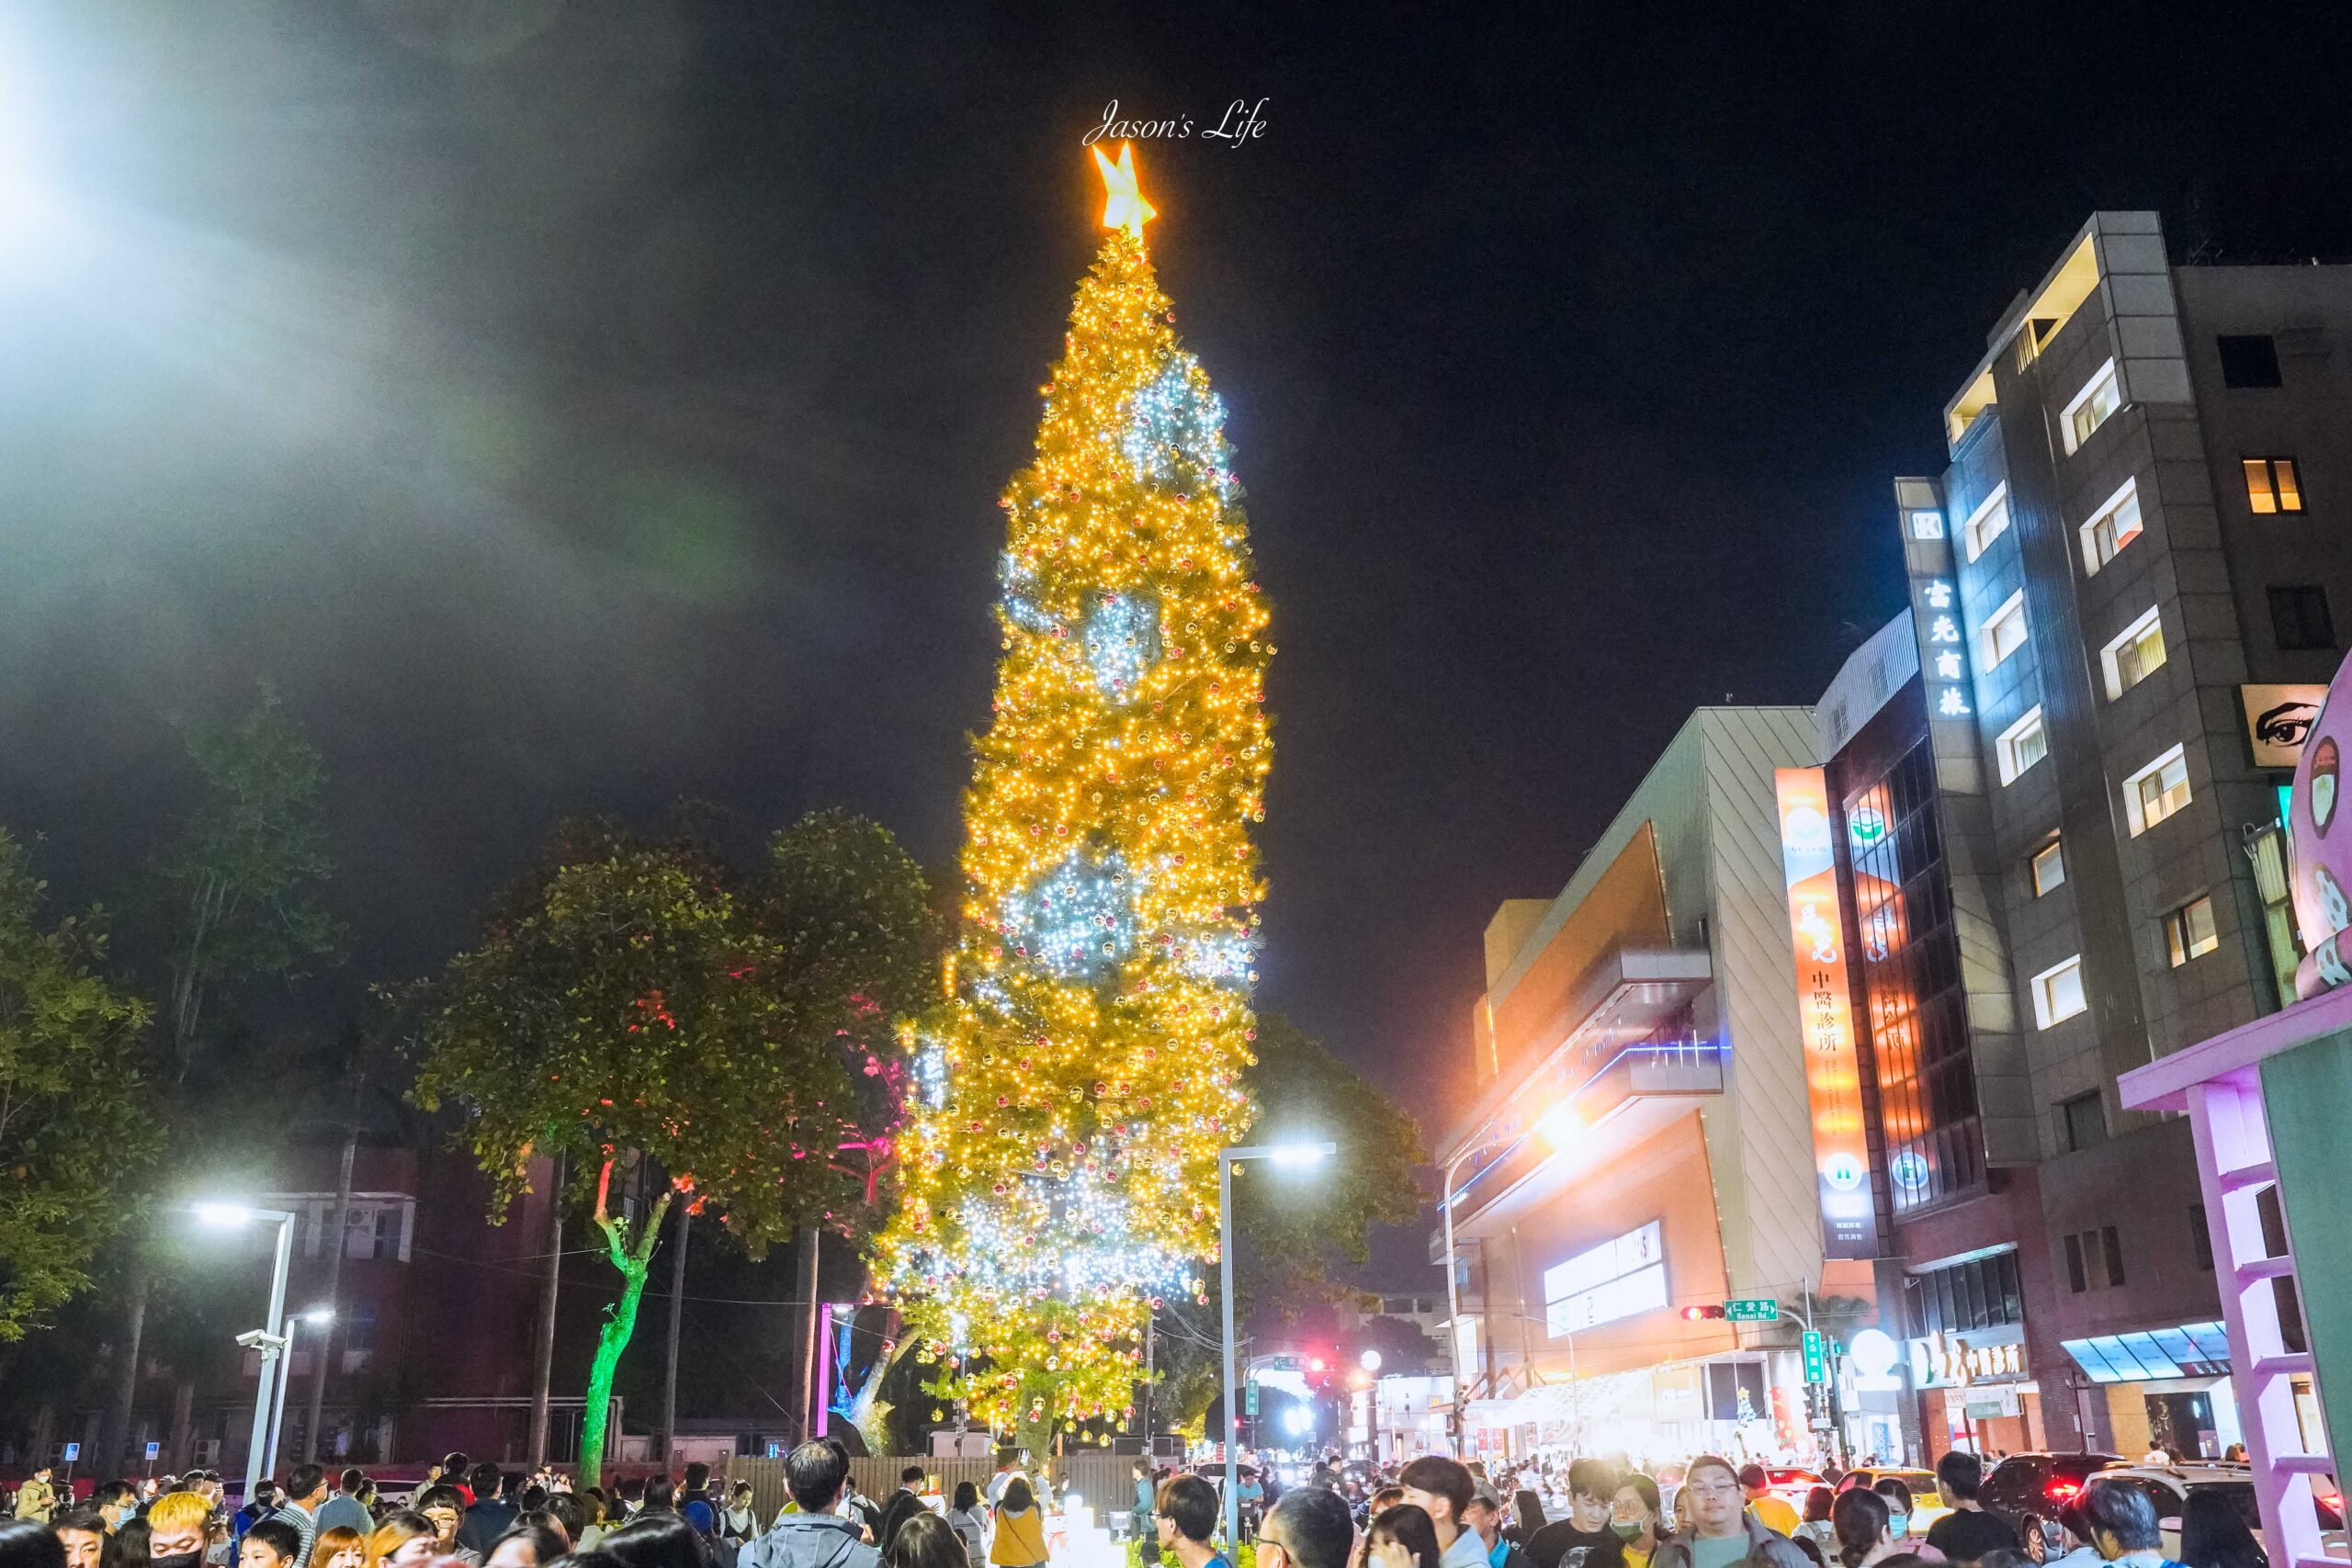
x,y
208,1453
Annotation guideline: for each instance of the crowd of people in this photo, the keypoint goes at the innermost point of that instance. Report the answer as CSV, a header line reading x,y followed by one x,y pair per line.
x,y
1432,1512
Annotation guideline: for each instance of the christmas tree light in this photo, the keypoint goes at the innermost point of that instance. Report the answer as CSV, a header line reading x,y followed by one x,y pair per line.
x,y
1071,1092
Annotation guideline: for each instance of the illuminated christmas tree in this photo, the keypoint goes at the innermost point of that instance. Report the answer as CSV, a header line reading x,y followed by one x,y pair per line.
x,y
1071,1094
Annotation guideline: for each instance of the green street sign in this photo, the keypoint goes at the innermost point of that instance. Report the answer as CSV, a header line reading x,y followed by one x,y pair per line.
x,y
1816,1356
1249,1399
1752,1309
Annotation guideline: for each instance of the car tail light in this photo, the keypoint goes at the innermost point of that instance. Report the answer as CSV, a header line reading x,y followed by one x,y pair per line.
x,y
2062,1491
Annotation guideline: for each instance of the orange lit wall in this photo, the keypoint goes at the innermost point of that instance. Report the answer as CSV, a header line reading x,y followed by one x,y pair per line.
x,y
1665,1176
1626,907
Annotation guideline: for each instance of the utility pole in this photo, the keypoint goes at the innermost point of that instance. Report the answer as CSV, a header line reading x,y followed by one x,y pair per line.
x,y
670,1360
543,1370
809,1258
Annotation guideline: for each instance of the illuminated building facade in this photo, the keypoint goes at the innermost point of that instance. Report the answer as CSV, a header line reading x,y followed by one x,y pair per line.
x,y
2059,829
1645,1139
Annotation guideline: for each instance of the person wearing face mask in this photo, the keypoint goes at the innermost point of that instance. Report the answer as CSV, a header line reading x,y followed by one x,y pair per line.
x,y
117,1502
1897,1498
1637,1521
175,1530
1864,1537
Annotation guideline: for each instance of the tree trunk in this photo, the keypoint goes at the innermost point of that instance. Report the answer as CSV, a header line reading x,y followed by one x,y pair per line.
x,y
669,1357
545,1368
116,1434
634,1260
181,1445
809,1308
337,1235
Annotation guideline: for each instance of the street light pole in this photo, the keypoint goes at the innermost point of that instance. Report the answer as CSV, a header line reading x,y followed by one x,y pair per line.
x,y
230,1216
1280,1153
319,1317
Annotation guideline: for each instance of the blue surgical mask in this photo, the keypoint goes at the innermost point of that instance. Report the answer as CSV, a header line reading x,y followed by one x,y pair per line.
x,y
1898,1525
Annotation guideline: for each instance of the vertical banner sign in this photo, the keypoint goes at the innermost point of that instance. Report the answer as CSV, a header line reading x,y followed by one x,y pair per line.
x,y
1832,1072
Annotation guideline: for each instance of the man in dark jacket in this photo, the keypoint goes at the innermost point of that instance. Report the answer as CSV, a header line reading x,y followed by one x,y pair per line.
x,y
492,1515
817,1475
904,1505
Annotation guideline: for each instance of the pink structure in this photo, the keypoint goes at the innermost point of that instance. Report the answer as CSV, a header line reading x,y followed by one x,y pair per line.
x,y
2217,1082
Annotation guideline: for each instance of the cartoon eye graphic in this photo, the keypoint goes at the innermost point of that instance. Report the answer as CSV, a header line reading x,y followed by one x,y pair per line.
x,y
2288,724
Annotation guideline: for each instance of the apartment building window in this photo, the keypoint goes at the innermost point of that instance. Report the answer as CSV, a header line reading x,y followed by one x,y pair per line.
x,y
2049,868
2156,791
2058,993
359,1328
2004,632
2083,1119
2299,617
2188,932
2250,360
2272,485
2267,851
1988,523
2136,653
2112,527
2099,397
2200,1238
2021,745
2094,1259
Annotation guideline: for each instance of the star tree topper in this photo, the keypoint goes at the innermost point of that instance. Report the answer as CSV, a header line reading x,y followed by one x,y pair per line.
x,y
1123,203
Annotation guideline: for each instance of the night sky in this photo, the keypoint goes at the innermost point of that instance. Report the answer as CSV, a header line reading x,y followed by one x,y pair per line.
x,y
576,406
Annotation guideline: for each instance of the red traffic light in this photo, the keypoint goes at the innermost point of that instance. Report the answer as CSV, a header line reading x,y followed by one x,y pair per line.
x,y
1697,1312
1315,1363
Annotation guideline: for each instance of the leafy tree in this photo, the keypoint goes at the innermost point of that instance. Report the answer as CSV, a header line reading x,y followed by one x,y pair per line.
x,y
75,1127
680,1034
235,898
237,891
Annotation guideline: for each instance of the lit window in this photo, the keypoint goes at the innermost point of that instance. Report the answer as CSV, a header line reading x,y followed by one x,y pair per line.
x,y
2022,745
2004,632
2058,993
2188,932
1988,523
2156,791
2135,655
2114,525
2049,868
2101,396
2272,485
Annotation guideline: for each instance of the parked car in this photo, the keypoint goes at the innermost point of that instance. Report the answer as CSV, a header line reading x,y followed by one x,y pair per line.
x,y
1926,1505
2040,1483
2170,1486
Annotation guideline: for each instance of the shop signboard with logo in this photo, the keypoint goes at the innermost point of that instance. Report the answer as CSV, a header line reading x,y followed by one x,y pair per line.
x,y
1832,1068
1963,1360
1615,1280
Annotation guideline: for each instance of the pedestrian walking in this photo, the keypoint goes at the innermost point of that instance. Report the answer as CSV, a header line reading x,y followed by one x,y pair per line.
x,y
1020,1539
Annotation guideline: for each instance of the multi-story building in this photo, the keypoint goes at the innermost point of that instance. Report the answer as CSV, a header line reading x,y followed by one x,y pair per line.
x,y
2057,816
1648,1138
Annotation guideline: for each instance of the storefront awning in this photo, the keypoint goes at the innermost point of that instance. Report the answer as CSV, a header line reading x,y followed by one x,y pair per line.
x,y
2191,1351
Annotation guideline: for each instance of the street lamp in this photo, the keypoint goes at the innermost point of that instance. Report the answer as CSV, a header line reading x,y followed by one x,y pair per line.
x,y
1556,1127
1288,1154
318,1317
271,1340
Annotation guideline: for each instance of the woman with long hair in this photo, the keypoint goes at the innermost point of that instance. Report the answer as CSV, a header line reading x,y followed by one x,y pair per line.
x,y
2214,1533
1815,1525
657,1537
963,1516
1896,1496
1019,1529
